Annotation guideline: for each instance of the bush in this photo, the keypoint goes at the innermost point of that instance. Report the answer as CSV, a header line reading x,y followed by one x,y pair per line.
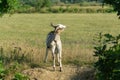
x,y
107,50
8,6
115,4
77,10
19,76
26,9
3,71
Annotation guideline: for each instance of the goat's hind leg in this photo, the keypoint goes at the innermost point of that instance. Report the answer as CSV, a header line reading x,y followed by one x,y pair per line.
x,y
46,55
60,62
59,47
59,56
53,55
58,59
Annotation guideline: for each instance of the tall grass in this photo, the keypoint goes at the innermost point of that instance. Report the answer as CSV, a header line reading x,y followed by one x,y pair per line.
x,y
22,36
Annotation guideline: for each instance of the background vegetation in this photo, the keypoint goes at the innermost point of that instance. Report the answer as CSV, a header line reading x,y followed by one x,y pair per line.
x,y
52,6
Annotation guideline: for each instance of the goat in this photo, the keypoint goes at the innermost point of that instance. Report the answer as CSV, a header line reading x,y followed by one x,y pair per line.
x,y
53,43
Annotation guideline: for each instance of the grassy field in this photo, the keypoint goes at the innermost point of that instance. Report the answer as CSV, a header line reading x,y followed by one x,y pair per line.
x,y
22,36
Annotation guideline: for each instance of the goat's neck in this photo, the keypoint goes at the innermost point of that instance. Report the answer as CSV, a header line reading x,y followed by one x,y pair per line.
x,y
57,33
57,36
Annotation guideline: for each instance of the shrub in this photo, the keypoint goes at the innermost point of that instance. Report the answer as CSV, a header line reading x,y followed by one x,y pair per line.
x,y
77,10
8,6
107,50
19,76
26,9
13,69
3,72
64,9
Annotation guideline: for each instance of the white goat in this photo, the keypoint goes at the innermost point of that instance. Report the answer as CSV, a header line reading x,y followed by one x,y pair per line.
x,y
53,43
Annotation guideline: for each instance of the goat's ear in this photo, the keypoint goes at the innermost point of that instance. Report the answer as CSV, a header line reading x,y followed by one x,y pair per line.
x,y
53,25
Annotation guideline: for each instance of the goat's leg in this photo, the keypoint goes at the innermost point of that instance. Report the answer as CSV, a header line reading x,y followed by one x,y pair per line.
x,y
46,55
58,58
53,55
60,61
59,47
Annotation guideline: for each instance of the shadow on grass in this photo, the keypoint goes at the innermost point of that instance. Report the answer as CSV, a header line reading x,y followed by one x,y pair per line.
x,y
84,73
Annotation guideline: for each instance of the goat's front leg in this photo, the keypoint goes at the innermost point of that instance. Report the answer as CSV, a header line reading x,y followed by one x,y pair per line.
x,y
46,55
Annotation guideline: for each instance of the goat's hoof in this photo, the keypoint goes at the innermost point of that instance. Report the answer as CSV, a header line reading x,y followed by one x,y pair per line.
x,y
54,69
61,69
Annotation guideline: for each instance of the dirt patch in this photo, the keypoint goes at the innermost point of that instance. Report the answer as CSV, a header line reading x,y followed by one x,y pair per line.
x,y
68,73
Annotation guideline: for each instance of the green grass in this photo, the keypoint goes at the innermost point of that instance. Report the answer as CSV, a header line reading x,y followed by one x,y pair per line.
x,y
28,31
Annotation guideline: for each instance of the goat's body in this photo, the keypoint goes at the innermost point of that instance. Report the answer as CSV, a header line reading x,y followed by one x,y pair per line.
x,y
50,39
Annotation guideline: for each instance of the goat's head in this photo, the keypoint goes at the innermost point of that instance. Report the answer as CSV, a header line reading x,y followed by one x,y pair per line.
x,y
58,28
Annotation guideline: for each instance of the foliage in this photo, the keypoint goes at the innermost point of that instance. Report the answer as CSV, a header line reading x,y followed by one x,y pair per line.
x,y
19,76
11,6
64,9
3,72
13,69
108,52
8,6
44,6
38,4
115,4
